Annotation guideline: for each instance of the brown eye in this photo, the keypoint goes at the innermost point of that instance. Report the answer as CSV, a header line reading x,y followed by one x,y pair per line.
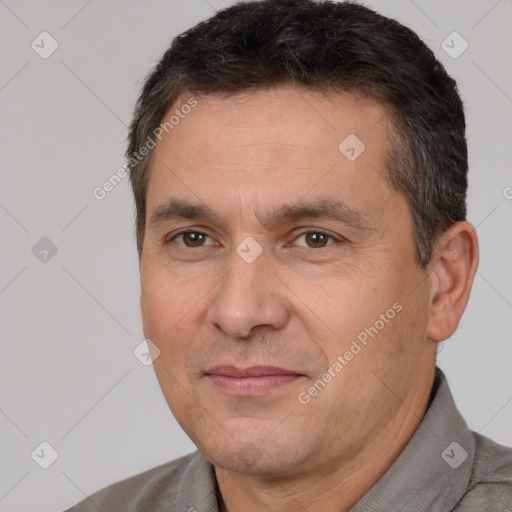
x,y
190,238
315,239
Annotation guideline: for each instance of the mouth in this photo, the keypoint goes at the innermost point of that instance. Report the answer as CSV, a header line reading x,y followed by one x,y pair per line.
x,y
251,381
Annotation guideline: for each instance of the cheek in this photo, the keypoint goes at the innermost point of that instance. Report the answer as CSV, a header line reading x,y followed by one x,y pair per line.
x,y
167,324
375,317
165,303
172,316
347,306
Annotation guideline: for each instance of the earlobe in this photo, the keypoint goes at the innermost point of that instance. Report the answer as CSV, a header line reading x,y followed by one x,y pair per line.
x,y
453,269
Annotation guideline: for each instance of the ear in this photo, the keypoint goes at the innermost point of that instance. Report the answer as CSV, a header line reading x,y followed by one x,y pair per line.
x,y
452,272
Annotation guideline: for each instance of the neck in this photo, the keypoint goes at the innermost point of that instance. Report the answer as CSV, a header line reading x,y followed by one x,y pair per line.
x,y
335,486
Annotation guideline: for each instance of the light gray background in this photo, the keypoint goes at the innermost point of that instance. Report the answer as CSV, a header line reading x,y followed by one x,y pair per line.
x,y
69,326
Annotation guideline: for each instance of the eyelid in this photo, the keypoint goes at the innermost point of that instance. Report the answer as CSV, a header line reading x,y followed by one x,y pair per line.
x,y
173,236
335,238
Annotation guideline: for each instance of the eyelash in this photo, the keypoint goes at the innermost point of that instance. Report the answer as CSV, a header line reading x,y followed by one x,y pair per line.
x,y
188,230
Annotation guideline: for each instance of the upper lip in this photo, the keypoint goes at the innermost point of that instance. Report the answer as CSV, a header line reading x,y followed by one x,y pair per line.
x,y
251,371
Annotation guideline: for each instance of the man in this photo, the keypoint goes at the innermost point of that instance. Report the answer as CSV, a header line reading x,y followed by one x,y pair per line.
x,y
300,174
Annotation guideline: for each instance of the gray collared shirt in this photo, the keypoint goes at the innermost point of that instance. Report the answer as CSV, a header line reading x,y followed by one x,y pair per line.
x,y
444,467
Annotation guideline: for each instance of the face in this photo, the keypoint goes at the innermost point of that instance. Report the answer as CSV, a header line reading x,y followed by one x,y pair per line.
x,y
279,280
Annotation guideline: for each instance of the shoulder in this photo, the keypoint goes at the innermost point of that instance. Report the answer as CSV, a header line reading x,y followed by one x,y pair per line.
x,y
152,490
490,487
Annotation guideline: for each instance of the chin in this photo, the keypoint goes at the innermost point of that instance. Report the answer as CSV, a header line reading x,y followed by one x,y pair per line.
x,y
255,455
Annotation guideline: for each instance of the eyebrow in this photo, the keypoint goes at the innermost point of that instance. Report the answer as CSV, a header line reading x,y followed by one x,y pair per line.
x,y
327,209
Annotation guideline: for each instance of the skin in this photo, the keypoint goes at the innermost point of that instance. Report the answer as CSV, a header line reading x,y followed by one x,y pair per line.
x,y
301,303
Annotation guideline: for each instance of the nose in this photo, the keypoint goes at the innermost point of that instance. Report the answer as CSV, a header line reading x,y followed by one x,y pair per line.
x,y
249,296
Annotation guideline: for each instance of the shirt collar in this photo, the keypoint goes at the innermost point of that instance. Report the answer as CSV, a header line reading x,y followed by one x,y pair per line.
x,y
434,470
198,489
431,474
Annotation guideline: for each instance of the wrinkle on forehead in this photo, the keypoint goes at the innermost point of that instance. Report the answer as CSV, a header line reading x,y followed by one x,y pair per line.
x,y
274,144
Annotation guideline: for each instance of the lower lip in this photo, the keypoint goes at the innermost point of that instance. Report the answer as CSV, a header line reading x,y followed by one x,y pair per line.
x,y
251,385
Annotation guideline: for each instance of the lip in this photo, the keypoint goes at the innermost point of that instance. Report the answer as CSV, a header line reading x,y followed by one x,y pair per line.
x,y
251,371
250,381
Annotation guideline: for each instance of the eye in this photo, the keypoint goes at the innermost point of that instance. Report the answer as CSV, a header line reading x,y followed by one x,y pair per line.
x,y
189,238
315,239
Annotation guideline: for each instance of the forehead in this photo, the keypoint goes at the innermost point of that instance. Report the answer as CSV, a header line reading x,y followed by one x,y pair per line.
x,y
287,141
297,120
